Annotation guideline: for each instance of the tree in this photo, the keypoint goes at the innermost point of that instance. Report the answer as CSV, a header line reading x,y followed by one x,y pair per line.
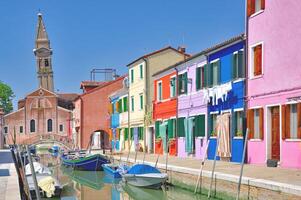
x,y
6,96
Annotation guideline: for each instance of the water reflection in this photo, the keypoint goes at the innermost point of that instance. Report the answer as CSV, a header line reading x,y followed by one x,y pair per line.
x,y
85,185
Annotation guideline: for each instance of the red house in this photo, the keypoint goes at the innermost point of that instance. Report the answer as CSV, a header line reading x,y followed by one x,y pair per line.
x,y
165,111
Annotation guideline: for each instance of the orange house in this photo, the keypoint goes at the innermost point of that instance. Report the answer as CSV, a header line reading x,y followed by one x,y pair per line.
x,y
165,111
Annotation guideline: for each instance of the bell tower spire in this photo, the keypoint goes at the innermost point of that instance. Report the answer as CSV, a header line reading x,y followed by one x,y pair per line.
x,y
43,54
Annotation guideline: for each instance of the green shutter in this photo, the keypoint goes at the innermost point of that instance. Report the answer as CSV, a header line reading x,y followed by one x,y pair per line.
x,y
140,133
179,83
206,75
241,64
132,75
185,82
210,74
170,128
157,128
132,103
141,102
120,105
126,134
198,78
234,123
132,133
200,126
141,71
234,66
125,104
181,128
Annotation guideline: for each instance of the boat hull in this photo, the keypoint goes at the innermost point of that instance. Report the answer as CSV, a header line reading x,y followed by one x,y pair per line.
x,y
150,180
111,170
90,163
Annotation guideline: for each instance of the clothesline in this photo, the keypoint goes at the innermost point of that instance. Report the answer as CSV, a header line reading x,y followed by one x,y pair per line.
x,y
216,93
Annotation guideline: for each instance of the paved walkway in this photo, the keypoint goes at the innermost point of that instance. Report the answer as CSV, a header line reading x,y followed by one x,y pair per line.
x,y
286,180
9,186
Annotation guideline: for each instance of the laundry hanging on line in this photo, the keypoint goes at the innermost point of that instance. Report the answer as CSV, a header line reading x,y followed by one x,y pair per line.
x,y
217,92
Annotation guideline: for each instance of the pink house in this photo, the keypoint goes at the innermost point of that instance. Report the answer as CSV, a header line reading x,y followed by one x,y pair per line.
x,y
274,82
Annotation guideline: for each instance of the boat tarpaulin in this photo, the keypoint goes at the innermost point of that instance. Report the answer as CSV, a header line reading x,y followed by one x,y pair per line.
x,y
142,169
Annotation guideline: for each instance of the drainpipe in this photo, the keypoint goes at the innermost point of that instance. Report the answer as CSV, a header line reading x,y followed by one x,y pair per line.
x,y
129,110
177,105
246,50
146,84
81,122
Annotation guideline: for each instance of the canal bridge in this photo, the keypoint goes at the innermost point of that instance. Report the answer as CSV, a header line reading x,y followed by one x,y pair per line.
x,y
50,138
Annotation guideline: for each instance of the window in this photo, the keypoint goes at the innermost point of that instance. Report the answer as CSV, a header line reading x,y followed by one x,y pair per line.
x,y
141,71
126,134
49,125
171,128
132,103
46,63
5,129
141,101
238,123
32,125
157,128
213,125
199,126
21,129
132,75
255,123
200,77
256,60
159,91
61,128
173,87
125,104
255,6
182,83
181,127
238,66
291,121
119,106
214,73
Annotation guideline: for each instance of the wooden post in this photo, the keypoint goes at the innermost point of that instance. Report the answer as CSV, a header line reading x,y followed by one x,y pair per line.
x,y
242,163
33,173
214,163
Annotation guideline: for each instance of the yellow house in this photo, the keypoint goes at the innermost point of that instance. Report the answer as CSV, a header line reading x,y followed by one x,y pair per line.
x,y
141,92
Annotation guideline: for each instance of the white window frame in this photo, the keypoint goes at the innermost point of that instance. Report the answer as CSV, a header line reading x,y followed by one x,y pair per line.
x,y
158,91
251,60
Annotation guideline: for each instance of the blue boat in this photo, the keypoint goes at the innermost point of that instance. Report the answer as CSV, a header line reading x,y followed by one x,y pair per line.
x,y
114,170
87,163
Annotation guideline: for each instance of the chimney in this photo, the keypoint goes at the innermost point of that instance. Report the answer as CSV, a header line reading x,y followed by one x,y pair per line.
x,y
182,49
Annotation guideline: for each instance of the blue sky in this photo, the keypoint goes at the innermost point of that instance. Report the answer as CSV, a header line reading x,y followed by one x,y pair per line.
x,y
97,33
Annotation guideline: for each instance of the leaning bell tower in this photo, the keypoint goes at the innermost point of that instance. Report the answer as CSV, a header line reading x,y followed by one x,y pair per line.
x,y
43,53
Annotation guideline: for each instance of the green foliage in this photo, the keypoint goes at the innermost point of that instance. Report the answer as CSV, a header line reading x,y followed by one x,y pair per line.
x,y
6,96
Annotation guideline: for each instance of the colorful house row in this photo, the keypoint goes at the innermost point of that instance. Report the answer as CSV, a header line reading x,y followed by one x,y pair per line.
x,y
191,94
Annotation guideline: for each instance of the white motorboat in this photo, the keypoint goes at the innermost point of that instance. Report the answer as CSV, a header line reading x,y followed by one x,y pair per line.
x,y
142,175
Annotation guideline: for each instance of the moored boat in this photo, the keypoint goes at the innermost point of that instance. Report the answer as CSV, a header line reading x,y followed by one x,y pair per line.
x,y
114,170
87,163
142,175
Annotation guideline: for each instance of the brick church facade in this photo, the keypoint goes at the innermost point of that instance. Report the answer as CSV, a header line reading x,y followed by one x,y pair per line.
x,y
42,111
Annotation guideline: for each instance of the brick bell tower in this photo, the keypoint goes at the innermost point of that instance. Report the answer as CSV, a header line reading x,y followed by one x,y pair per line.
x,y
43,54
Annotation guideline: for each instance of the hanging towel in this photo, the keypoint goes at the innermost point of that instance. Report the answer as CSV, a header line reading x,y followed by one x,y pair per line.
x,y
224,135
163,135
189,134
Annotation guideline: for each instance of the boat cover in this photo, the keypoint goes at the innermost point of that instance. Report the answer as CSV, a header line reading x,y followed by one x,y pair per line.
x,y
47,184
142,169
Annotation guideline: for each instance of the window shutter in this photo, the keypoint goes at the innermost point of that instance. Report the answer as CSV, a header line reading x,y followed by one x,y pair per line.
x,y
250,123
170,128
198,78
125,104
200,126
261,122
251,7
131,133
180,84
126,134
258,60
234,124
283,121
241,64
157,128
186,82
206,75
181,129
299,121
218,71
234,66
210,74
287,121
262,4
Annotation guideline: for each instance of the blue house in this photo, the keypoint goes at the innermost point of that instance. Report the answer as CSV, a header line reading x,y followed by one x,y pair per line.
x,y
114,122
226,91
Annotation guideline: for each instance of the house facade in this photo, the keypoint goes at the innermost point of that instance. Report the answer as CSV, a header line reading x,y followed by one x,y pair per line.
x,y
165,111
274,92
141,94
226,98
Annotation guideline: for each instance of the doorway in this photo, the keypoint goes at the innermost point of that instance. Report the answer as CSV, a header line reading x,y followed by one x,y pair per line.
x,y
275,133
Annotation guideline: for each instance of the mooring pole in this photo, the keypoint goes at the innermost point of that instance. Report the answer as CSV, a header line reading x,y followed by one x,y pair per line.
x,y
201,170
24,172
214,163
34,178
242,163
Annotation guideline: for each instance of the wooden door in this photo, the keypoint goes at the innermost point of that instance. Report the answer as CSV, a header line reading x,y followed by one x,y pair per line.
x,y
275,133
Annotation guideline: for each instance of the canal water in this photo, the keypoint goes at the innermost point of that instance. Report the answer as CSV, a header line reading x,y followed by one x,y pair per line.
x,y
86,185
